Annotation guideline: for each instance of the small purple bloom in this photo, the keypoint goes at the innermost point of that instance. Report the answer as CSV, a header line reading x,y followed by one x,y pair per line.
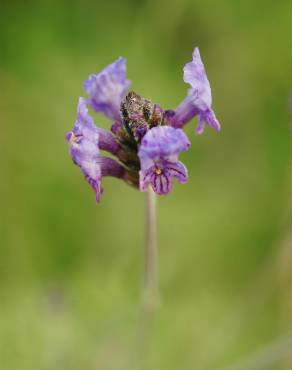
x,y
107,89
84,141
144,139
158,154
199,99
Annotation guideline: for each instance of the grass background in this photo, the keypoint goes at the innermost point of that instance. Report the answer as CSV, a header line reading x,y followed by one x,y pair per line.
x,y
70,270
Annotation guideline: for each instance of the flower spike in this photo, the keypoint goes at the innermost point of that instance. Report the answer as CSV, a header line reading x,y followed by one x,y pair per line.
x,y
144,139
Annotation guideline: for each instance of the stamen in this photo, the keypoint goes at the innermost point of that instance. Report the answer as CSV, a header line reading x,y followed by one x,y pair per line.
x,y
74,139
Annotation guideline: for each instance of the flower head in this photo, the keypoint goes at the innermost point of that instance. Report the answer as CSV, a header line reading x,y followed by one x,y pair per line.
x,y
144,138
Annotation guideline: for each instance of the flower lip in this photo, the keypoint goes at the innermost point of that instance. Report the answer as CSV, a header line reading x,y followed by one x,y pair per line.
x,y
158,154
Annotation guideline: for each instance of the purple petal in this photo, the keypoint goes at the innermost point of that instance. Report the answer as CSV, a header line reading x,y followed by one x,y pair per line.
x,y
84,124
85,154
162,142
83,146
145,178
162,184
83,139
85,127
160,175
179,171
92,172
107,89
195,75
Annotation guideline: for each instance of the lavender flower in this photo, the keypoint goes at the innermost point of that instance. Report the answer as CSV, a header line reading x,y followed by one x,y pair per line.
x,y
84,144
158,154
145,139
199,99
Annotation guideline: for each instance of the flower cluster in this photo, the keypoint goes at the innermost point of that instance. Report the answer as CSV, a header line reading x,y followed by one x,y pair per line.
x,y
144,138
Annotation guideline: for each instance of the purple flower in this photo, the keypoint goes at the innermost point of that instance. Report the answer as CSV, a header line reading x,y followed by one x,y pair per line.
x,y
108,88
83,140
85,153
158,154
199,99
144,139
84,146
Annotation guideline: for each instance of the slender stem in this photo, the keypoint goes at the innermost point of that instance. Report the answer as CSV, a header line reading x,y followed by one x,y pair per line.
x,y
150,287
151,270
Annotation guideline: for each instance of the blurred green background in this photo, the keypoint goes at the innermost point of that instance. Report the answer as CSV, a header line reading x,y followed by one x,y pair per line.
x,y
71,270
